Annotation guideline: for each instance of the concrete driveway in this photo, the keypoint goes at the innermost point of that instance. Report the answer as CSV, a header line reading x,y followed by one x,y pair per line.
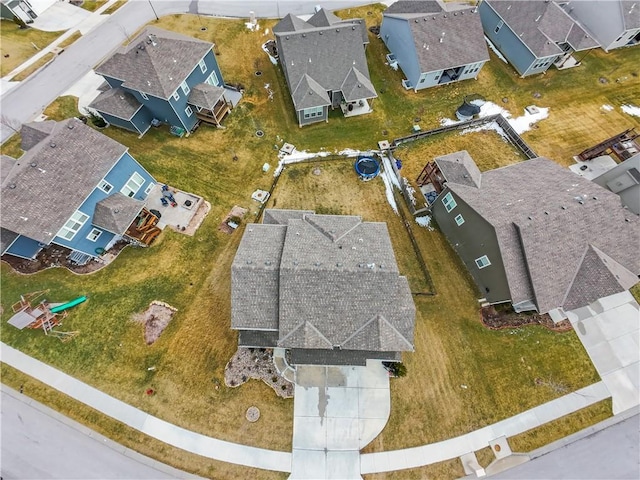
x,y
609,329
337,411
60,16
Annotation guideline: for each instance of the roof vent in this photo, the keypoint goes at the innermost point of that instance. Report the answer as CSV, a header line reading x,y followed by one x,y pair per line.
x,y
70,126
455,14
52,145
268,262
317,264
353,28
12,186
295,262
287,37
563,207
249,262
581,202
321,33
546,213
304,35
416,20
530,217
337,30
338,264
594,197
116,210
34,164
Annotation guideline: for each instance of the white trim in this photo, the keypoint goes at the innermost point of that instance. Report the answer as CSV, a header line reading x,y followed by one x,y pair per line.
x,y
459,219
130,192
149,188
144,95
77,221
105,186
188,111
203,65
213,75
185,87
94,234
449,202
176,95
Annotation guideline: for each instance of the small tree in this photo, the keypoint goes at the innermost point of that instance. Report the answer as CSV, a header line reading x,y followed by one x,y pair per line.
x,y
396,369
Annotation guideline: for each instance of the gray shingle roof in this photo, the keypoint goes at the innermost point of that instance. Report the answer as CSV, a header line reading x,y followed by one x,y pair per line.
x,y
357,86
257,338
540,25
324,54
205,96
459,167
116,213
7,164
546,218
37,200
339,357
630,13
323,18
34,132
338,284
276,216
155,67
291,23
6,239
116,102
414,6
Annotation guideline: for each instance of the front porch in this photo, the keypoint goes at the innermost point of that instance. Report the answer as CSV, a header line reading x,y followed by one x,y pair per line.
x,y
353,109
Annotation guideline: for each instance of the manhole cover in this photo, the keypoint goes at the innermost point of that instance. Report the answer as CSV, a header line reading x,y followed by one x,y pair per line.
x,y
204,29
253,414
258,73
416,120
603,80
505,100
317,171
259,133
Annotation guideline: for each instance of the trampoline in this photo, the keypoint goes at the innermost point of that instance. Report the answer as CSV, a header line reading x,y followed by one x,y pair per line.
x,y
367,168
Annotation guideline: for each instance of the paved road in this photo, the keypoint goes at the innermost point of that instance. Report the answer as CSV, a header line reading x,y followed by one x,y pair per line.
x,y
613,453
39,443
28,100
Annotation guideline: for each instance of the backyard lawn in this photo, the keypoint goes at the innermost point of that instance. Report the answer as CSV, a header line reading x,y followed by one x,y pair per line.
x,y
461,376
17,45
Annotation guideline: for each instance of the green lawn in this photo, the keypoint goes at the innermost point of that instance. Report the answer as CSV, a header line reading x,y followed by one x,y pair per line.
x,y
453,349
17,45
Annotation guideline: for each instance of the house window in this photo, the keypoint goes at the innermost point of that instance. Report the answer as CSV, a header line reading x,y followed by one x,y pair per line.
x,y
185,88
313,112
483,261
459,220
202,65
176,95
144,95
188,111
213,79
499,26
105,186
133,185
148,189
422,80
94,234
75,223
448,202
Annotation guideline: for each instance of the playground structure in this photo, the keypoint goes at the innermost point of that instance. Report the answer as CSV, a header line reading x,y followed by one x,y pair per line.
x,y
29,314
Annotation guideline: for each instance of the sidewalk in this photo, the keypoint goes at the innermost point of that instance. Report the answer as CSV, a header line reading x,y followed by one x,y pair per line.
x,y
145,423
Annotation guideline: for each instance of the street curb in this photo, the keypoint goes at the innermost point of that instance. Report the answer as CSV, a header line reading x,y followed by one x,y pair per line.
x,y
127,452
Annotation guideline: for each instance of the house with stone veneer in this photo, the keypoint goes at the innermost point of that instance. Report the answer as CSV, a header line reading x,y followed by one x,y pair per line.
x,y
325,287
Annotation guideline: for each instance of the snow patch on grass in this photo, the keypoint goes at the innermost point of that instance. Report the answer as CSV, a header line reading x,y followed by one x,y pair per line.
x,y
631,110
425,222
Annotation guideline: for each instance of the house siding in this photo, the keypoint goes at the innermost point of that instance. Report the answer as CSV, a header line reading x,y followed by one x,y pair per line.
x,y
308,121
119,122
117,177
396,35
510,45
471,240
603,19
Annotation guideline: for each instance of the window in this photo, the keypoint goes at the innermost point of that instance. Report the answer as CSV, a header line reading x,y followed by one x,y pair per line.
x,y
75,223
202,65
105,186
313,112
422,80
483,261
213,79
148,189
499,26
94,234
188,111
176,95
133,185
185,88
459,220
448,202
144,95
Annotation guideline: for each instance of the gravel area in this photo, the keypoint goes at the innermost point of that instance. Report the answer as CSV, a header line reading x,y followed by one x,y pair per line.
x,y
256,363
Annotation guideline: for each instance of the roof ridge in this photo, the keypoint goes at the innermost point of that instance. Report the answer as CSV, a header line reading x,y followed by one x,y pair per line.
x,y
575,274
362,327
382,320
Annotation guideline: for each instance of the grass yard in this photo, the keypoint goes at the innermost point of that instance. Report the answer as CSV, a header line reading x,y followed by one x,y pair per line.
x,y
453,350
17,45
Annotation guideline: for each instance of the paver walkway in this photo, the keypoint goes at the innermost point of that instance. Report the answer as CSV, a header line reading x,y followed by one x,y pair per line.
x,y
337,412
143,422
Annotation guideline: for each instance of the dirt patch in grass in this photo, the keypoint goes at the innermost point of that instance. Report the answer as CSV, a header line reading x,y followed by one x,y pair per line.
x,y
497,319
56,256
235,215
256,363
155,319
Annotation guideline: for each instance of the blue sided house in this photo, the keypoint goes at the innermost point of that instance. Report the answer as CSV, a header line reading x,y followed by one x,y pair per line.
x,y
163,77
533,35
76,188
433,45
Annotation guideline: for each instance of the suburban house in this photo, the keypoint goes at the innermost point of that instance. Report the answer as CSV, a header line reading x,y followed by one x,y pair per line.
x,y
25,11
433,45
613,23
163,77
624,179
534,234
73,187
324,287
325,65
533,35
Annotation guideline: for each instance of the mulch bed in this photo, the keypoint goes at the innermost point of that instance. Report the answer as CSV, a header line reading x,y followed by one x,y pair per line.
x,y
256,363
155,319
499,319
236,211
56,256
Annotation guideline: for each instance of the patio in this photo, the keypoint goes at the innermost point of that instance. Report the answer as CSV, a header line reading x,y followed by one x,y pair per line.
x,y
181,218
354,109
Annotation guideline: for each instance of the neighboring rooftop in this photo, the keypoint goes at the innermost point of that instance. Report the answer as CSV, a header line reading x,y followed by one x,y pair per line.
x,y
55,177
323,282
117,102
156,61
564,241
459,167
541,25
